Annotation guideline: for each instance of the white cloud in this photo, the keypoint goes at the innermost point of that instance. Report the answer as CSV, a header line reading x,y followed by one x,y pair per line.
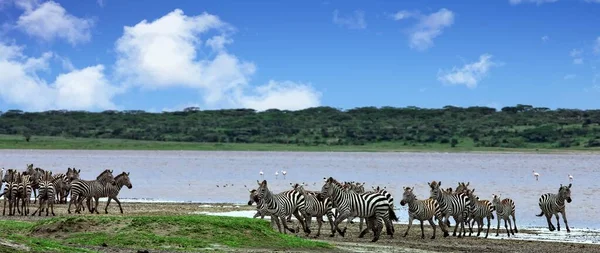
x,y
545,38
49,21
427,28
569,76
78,89
515,2
354,21
286,95
576,54
597,45
470,74
164,53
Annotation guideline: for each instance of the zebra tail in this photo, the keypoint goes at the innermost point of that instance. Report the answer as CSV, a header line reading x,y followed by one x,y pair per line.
x,y
393,216
540,215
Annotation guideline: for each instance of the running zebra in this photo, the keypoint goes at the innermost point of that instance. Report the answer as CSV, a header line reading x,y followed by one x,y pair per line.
x,y
316,208
81,189
111,191
552,204
504,210
480,209
422,210
372,206
46,195
456,205
281,205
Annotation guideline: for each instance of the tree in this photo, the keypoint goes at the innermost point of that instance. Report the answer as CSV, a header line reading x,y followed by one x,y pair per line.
x,y
453,142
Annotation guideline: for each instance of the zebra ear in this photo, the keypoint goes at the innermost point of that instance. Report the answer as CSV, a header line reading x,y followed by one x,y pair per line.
x,y
468,183
570,186
128,173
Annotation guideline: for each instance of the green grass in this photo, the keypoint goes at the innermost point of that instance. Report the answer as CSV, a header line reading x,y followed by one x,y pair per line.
x,y
180,233
464,145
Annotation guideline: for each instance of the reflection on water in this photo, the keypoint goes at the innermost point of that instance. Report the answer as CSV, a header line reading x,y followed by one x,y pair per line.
x,y
222,176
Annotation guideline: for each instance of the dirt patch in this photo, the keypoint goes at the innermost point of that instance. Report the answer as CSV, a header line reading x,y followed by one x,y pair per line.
x,y
63,227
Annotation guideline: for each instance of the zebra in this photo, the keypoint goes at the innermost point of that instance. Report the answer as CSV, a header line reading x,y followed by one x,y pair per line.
x,y
280,205
480,209
504,210
24,192
10,192
315,207
259,212
455,205
372,206
62,183
552,204
46,194
422,210
36,174
81,189
111,191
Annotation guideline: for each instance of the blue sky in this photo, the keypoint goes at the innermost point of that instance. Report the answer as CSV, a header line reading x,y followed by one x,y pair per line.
x,y
168,55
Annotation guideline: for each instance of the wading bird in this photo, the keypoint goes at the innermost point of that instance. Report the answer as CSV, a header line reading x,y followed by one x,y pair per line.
x,y
283,172
261,174
570,178
276,174
536,175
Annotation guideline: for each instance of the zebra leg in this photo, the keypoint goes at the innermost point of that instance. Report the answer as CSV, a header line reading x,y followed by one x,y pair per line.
x,y
422,230
488,226
320,223
432,226
506,227
389,226
97,200
119,203
289,218
557,222
456,227
258,214
52,206
360,224
108,203
564,215
330,220
550,225
302,221
275,219
498,227
71,202
515,222
308,220
462,227
285,226
510,226
378,227
342,215
410,221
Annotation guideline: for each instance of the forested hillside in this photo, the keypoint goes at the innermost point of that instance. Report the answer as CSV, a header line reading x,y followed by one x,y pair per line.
x,y
516,126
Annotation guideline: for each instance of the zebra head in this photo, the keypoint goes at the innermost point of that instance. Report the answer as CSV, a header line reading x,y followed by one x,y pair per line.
x,y
263,191
462,187
496,200
253,197
408,196
8,176
472,197
73,174
328,187
435,192
123,179
565,192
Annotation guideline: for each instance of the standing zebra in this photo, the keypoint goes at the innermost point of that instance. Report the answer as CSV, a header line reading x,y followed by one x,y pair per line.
x,y
455,205
480,209
81,189
46,194
281,205
552,204
372,206
24,192
10,191
316,208
422,210
504,210
111,191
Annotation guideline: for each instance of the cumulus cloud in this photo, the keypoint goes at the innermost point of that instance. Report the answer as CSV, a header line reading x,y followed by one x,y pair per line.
x,y
49,21
163,53
470,74
354,21
576,54
428,27
21,85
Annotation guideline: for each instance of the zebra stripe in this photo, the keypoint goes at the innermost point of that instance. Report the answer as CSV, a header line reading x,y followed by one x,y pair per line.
x,y
552,204
456,205
81,189
504,210
372,206
281,205
316,208
422,210
46,194
10,192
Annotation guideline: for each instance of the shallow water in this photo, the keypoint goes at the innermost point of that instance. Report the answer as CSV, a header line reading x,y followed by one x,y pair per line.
x,y
193,176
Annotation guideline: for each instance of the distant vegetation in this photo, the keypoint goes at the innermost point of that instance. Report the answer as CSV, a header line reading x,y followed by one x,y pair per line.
x,y
520,126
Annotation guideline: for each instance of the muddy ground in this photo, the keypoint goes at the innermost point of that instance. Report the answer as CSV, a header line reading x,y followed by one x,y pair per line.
x,y
350,243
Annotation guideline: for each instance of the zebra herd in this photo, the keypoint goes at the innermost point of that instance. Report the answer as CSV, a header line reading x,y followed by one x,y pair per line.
x,y
348,200
49,188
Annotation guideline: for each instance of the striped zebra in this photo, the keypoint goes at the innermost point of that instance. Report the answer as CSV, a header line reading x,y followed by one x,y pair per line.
x,y
504,210
552,204
46,194
36,174
259,212
281,205
315,207
24,192
480,209
81,189
422,210
62,184
111,191
372,206
456,205
10,192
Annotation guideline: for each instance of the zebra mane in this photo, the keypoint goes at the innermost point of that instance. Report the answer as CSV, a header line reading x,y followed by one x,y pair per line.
x,y
333,181
121,175
104,172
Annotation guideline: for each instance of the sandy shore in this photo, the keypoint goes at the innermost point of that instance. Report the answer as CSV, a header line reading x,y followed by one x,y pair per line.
x,y
350,243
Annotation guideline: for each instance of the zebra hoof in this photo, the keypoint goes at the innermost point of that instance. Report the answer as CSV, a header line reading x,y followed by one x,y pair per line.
x,y
375,239
432,237
446,234
331,235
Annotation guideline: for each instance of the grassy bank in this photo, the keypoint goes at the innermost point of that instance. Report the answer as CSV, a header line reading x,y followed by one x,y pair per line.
x,y
464,145
177,233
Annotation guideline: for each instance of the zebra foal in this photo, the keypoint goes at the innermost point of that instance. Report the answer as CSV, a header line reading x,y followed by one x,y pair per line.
x,y
504,210
422,210
552,204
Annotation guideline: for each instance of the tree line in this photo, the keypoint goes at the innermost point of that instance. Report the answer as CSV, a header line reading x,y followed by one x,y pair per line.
x,y
512,126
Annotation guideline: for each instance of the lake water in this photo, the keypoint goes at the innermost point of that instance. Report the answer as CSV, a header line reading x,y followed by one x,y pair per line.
x,y
194,175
